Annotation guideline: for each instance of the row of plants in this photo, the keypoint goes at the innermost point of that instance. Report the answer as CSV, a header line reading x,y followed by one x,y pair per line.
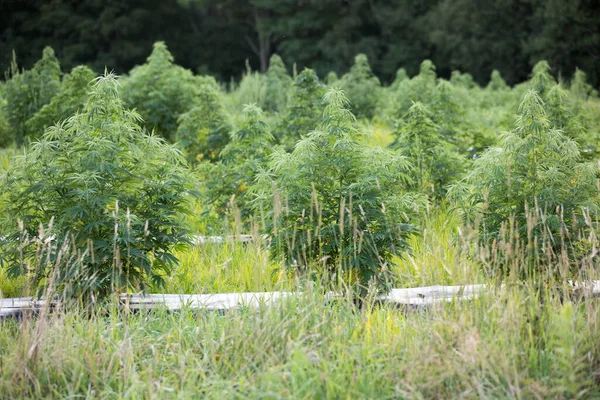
x,y
110,171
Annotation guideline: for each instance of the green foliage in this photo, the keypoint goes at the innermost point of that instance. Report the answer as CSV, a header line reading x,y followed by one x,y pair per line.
x,y
278,83
252,89
331,78
536,182
435,159
541,79
161,91
204,130
421,88
106,196
226,183
462,80
401,76
580,88
26,92
304,110
71,97
496,82
339,207
362,86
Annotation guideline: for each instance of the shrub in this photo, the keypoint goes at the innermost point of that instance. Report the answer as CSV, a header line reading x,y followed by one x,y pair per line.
x,y
27,92
534,185
71,98
338,206
204,130
362,86
304,110
161,91
113,194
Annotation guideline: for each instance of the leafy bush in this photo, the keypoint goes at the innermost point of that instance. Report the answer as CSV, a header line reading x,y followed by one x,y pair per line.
x,y
278,83
103,189
338,206
362,86
26,92
161,91
204,130
71,97
536,183
304,110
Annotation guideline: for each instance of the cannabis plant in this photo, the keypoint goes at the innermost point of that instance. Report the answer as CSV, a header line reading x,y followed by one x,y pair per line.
x,y
464,80
71,97
278,83
401,76
161,91
339,207
534,186
251,90
304,110
204,130
26,92
421,88
99,186
226,183
580,88
362,86
436,160
496,82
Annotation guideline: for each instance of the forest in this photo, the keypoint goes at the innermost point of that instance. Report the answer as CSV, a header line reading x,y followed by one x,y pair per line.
x,y
350,184
474,36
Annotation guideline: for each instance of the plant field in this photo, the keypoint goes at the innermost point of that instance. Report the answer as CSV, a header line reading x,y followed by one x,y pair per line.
x,y
347,186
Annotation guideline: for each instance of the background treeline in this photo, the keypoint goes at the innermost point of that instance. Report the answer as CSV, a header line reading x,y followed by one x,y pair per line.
x,y
217,36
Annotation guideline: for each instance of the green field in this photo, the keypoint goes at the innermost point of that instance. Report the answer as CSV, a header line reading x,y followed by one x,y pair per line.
x,y
354,187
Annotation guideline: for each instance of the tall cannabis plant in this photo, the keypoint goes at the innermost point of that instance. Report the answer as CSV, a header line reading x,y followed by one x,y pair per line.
x,y
26,92
339,207
362,86
536,182
496,82
100,187
277,85
161,91
436,160
579,86
226,183
304,110
204,130
71,97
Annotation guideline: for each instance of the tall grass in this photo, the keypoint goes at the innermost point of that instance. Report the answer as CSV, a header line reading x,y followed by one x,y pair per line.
x,y
506,344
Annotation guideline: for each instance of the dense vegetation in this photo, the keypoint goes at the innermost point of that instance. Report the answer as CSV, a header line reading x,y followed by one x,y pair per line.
x,y
347,185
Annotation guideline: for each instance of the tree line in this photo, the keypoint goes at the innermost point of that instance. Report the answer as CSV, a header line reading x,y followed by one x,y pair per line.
x,y
216,36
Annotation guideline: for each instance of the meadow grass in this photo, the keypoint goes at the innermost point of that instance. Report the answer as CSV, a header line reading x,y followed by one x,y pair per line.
x,y
506,344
